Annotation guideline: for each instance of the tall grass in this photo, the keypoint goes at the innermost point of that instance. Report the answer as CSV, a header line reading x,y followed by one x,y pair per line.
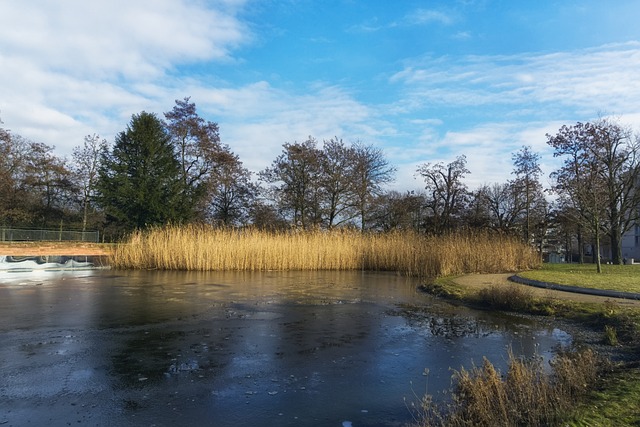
x,y
527,395
202,248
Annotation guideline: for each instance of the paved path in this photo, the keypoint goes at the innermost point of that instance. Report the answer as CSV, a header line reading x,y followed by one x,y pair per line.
x,y
480,281
575,289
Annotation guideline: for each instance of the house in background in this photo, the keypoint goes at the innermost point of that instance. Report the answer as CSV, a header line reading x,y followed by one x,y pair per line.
x,y
631,244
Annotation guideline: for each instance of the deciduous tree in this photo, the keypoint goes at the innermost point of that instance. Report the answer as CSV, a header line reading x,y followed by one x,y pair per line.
x,y
398,211
86,162
49,178
371,171
232,192
600,175
527,184
446,191
338,169
295,182
197,147
502,205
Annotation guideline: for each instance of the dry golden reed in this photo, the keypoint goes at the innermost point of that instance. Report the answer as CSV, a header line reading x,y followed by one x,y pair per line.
x,y
528,395
204,248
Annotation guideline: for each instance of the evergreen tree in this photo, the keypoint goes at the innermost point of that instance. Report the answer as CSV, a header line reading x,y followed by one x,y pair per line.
x,y
139,181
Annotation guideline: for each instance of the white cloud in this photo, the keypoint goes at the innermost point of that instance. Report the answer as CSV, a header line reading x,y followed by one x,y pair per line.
x,y
255,120
427,16
136,39
587,80
462,35
513,101
74,67
488,148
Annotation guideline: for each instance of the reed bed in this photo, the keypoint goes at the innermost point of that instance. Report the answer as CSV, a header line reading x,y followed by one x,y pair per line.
x,y
527,395
204,248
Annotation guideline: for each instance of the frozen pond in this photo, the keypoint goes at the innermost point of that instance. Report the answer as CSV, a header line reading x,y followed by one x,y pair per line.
x,y
149,348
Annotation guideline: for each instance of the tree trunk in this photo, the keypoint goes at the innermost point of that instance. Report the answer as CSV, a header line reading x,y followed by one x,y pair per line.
x,y
616,245
580,247
597,249
84,215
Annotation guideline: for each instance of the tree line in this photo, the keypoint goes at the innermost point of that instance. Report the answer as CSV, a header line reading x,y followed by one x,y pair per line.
x,y
175,169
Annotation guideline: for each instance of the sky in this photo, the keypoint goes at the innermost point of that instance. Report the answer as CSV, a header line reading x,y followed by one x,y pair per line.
x,y
425,81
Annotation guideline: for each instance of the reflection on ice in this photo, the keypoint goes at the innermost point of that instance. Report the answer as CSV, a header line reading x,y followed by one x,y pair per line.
x,y
14,264
188,366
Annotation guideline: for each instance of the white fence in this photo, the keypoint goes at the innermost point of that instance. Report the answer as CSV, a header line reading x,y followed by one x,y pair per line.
x,y
25,235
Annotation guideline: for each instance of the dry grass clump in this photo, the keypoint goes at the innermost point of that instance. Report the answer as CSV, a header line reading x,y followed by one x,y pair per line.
x,y
513,298
199,247
526,396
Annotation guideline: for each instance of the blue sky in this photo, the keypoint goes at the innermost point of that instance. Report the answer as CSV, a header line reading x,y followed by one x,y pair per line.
x,y
425,81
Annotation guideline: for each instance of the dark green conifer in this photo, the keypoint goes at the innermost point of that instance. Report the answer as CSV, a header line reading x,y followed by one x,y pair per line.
x,y
139,179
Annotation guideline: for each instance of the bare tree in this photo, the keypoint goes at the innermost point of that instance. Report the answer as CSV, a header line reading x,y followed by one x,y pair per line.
x,y
600,175
197,147
502,205
371,171
49,179
446,191
579,179
295,178
86,163
398,211
232,192
337,163
7,182
570,224
527,183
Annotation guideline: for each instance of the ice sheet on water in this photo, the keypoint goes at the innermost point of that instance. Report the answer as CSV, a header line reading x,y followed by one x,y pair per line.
x,y
188,366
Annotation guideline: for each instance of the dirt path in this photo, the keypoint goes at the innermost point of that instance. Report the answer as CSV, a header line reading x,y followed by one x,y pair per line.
x,y
480,281
53,248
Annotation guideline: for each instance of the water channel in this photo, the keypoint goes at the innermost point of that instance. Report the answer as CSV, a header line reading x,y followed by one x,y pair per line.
x,y
106,347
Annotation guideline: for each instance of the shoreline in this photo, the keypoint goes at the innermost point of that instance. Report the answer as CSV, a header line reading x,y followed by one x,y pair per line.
x,y
54,249
476,282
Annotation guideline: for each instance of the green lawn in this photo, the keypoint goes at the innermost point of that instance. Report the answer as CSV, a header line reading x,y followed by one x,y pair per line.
x,y
615,402
615,277
614,405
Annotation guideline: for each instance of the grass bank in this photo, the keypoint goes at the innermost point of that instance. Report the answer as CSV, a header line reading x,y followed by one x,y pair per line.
x,y
613,404
204,248
612,396
624,278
